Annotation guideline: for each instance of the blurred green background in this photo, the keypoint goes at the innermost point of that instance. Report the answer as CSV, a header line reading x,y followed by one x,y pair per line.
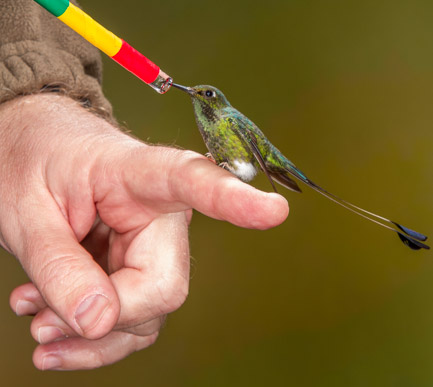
x,y
345,90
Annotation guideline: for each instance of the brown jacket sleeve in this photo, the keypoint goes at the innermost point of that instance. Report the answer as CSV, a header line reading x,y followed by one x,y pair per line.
x,y
37,50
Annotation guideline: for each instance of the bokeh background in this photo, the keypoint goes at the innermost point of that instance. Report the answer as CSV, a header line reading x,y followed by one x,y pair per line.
x,y
345,89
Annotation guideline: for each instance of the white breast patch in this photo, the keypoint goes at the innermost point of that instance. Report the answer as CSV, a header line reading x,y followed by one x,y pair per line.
x,y
244,170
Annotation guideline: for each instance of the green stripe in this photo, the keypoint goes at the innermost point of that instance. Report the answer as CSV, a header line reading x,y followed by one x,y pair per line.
x,y
56,7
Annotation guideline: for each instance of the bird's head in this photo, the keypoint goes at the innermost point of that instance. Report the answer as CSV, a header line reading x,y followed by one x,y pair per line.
x,y
207,100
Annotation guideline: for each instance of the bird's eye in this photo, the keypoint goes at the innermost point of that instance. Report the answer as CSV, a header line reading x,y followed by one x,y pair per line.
x,y
209,93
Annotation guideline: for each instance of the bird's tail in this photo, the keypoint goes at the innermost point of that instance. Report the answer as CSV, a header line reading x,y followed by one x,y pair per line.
x,y
411,238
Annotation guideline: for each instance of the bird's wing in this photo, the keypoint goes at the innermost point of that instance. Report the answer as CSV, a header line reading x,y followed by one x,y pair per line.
x,y
248,132
239,124
251,140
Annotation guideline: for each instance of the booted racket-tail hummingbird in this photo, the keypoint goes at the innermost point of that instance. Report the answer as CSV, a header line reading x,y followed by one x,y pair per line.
x,y
236,144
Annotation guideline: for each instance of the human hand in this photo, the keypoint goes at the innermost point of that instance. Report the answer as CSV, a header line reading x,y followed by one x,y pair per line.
x,y
99,222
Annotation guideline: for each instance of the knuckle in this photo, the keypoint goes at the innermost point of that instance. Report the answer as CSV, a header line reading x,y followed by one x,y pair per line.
x,y
97,358
152,339
144,342
173,293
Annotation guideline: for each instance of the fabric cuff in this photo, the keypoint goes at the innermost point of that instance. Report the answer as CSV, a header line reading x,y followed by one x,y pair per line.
x,y
27,67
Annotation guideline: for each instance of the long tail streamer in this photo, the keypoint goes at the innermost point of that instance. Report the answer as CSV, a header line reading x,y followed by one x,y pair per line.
x,y
410,238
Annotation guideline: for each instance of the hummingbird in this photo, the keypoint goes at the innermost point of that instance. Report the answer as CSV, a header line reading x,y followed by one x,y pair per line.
x,y
236,144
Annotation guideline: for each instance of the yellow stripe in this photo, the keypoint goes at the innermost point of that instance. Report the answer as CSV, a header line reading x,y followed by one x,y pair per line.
x,y
91,30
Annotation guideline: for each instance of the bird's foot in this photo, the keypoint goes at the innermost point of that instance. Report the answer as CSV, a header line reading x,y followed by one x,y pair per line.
x,y
210,157
224,165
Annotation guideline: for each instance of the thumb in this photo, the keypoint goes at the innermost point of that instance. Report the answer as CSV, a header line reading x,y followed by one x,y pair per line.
x,y
66,275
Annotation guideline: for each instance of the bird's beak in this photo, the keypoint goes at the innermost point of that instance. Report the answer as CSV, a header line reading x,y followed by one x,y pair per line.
x,y
188,90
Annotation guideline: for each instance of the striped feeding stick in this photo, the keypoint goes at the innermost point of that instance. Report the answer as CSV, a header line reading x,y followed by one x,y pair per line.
x,y
116,48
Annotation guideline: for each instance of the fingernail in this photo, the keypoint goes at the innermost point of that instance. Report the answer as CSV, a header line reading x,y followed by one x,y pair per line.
x,y
90,311
25,308
48,334
50,362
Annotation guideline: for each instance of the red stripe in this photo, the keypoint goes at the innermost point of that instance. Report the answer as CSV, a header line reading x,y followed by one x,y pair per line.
x,y
136,63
